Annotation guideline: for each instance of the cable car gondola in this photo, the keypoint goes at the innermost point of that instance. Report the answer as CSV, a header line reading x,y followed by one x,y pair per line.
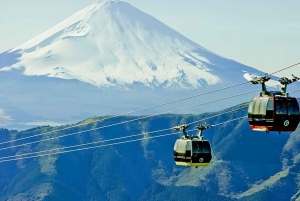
x,y
273,111
194,150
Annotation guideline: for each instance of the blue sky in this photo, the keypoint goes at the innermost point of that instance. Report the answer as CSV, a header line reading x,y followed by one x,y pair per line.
x,y
262,34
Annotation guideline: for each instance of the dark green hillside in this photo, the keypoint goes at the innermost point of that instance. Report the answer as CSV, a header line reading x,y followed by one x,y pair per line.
x,y
246,165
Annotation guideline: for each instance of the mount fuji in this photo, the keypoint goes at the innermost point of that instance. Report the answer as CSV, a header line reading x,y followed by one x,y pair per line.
x,y
107,59
114,44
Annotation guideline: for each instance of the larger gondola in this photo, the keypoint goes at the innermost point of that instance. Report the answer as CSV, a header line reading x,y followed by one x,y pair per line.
x,y
273,111
192,151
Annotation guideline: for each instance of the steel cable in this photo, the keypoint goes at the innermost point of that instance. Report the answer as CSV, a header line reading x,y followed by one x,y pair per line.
x,y
158,105
140,118
105,145
151,107
130,136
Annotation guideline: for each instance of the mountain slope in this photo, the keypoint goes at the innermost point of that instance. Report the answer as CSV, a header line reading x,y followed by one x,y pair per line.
x,y
246,165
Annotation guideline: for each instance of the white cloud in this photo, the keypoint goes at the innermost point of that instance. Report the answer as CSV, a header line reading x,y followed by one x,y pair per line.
x,y
43,123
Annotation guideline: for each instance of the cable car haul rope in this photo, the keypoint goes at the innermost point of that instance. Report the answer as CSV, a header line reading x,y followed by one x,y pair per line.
x,y
270,111
61,150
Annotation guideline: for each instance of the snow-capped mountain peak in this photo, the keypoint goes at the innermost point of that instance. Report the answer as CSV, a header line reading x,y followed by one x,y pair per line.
x,y
111,43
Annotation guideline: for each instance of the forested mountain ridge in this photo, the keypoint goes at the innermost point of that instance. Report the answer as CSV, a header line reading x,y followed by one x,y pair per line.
x,y
246,165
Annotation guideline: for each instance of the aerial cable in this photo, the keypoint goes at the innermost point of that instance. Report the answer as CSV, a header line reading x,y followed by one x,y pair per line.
x,y
139,110
105,145
52,138
185,107
243,107
140,118
141,134
295,91
119,138
228,121
284,68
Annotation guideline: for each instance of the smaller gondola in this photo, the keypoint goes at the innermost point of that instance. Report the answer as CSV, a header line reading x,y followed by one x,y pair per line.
x,y
192,151
274,111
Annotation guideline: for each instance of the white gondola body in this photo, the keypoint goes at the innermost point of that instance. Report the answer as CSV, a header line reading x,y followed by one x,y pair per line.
x,y
192,152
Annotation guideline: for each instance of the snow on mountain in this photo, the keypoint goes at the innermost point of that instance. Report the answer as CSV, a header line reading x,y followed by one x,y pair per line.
x,y
114,44
80,68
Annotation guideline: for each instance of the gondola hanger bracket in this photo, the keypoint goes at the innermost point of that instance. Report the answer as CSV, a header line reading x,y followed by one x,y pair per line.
x,y
284,81
201,128
262,80
182,128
